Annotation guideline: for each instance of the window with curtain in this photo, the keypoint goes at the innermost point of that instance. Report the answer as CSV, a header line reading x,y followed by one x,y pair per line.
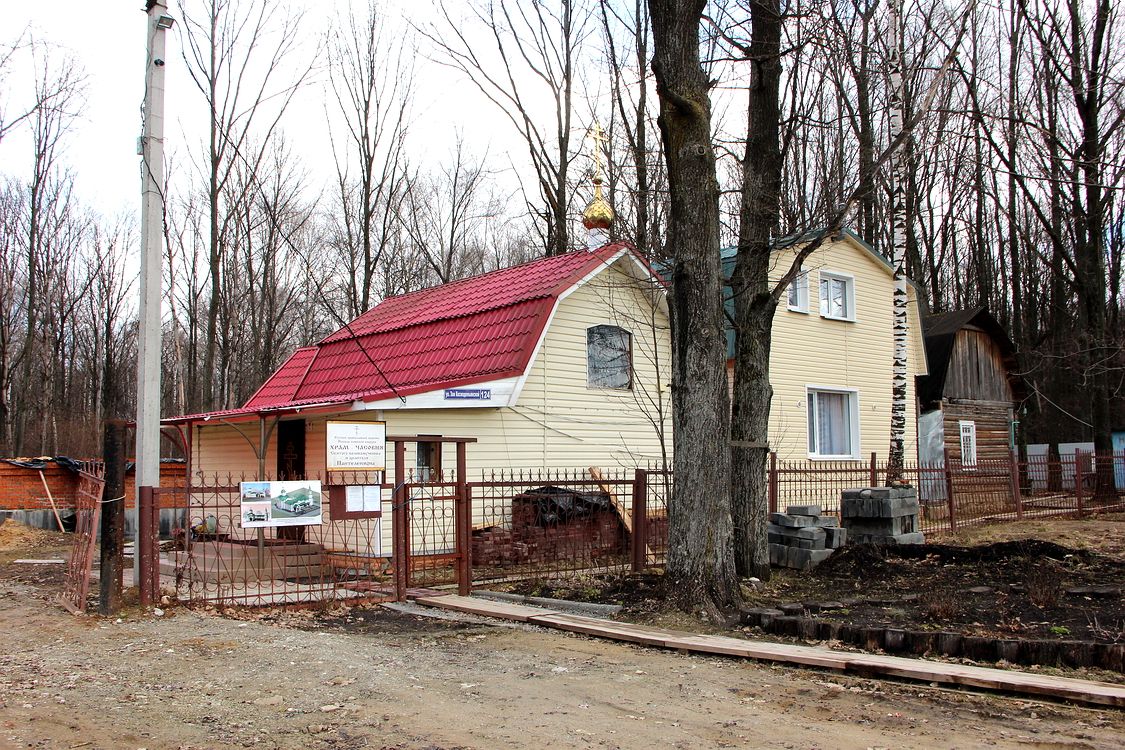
x,y
837,296
833,423
609,357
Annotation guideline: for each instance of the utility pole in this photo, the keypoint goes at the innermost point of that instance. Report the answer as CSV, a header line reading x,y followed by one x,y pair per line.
x,y
152,243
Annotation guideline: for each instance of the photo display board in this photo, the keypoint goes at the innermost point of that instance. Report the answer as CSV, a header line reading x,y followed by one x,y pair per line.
x,y
356,446
265,504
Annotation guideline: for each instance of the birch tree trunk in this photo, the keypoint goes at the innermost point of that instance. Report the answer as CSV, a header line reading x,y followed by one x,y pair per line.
x,y
897,451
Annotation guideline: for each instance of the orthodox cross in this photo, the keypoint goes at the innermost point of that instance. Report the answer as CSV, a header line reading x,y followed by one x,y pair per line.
x,y
599,137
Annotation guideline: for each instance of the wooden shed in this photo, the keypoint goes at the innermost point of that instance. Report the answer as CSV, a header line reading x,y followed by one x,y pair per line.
x,y
967,402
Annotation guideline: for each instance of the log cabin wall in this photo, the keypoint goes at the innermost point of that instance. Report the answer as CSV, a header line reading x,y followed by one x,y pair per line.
x,y
993,422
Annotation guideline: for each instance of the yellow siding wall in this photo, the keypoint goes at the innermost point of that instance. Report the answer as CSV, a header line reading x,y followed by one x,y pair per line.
x,y
227,452
811,350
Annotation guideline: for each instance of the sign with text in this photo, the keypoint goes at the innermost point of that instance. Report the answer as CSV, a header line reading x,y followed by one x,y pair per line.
x,y
365,499
468,394
295,503
356,446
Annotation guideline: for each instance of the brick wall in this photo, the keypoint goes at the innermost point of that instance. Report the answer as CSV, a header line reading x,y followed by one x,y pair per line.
x,y
22,488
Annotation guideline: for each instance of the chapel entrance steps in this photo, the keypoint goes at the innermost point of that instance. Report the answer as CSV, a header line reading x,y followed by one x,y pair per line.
x,y
227,562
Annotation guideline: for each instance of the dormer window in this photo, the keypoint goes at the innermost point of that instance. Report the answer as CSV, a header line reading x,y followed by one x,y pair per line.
x,y
609,357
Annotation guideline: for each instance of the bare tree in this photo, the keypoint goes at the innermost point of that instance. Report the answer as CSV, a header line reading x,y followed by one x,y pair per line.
x,y
44,230
372,82
239,55
445,216
636,177
537,46
700,566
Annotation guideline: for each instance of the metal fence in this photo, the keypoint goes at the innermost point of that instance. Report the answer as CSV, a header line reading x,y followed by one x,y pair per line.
x,y
428,530
550,522
212,556
88,508
953,494
446,531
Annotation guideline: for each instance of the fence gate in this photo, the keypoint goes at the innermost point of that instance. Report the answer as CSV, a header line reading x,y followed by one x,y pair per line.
x,y
88,511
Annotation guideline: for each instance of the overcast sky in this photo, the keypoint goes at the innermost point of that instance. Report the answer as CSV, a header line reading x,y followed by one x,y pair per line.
x,y
108,40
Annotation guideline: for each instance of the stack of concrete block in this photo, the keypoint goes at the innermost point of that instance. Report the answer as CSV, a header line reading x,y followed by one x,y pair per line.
x,y
881,515
802,538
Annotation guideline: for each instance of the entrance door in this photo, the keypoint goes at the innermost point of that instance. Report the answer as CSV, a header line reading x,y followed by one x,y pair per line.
x,y
291,449
291,465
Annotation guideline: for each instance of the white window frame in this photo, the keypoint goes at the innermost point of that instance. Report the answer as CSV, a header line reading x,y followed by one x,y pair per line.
x,y
812,439
849,290
967,427
800,285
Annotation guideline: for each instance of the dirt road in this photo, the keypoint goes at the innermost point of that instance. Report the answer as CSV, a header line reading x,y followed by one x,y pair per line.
x,y
378,679
371,678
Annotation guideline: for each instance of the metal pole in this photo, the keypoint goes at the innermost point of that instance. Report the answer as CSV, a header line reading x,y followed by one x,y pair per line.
x,y
152,235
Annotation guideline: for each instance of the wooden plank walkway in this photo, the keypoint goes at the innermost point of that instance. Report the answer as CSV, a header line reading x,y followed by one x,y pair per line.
x,y
872,665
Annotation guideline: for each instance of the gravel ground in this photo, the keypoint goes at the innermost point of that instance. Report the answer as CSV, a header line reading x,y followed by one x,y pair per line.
x,y
374,678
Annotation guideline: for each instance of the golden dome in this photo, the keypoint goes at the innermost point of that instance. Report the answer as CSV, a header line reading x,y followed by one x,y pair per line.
x,y
599,214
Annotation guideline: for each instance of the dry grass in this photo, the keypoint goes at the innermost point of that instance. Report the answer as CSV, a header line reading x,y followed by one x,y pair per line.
x,y
17,536
940,605
1104,534
1044,585
18,540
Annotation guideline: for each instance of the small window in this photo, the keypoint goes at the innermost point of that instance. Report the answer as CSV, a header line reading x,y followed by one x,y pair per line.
x,y
428,462
799,292
837,296
609,357
833,423
968,430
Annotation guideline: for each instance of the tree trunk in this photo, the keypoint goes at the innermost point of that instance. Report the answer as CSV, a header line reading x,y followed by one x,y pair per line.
x,y
897,453
700,572
754,304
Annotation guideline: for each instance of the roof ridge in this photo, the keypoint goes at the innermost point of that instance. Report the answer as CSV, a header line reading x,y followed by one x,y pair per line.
x,y
477,277
345,333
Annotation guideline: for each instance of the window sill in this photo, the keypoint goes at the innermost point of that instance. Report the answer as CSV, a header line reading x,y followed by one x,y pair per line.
x,y
798,310
835,317
817,457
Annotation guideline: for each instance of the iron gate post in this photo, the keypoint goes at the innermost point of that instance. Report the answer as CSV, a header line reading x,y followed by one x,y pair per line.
x,y
640,520
949,491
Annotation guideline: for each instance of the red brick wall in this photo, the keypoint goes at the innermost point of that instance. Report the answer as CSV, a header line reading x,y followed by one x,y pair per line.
x,y
22,489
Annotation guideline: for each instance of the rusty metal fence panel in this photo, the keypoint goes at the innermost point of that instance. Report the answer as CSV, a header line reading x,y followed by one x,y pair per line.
x,y
651,494
214,559
540,524
954,495
431,536
87,510
1075,483
817,482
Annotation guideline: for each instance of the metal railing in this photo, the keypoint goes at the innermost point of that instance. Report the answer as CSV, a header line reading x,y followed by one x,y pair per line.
x,y
955,494
442,531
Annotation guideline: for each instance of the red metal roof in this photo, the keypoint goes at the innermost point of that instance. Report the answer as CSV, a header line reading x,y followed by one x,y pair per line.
x,y
282,386
474,330
537,279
